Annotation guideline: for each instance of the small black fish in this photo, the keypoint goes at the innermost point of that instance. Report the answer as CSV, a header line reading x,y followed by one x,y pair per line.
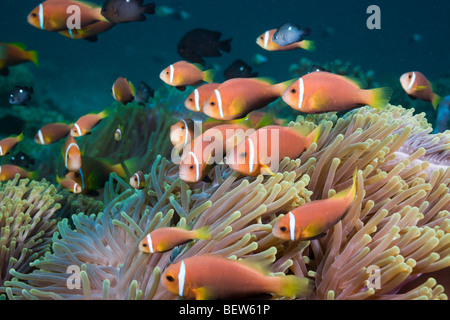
x,y
22,160
315,68
144,93
20,95
200,43
122,11
239,69
289,33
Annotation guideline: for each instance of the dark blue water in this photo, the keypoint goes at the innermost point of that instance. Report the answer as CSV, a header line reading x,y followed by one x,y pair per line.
x,y
79,74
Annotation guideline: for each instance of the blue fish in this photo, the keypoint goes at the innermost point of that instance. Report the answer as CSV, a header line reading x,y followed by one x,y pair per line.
x,y
443,116
289,33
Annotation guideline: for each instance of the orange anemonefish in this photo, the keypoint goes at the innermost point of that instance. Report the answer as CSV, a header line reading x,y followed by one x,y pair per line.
x,y
137,181
72,154
70,185
52,132
7,144
53,15
12,54
320,91
118,133
266,42
165,239
9,171
261,151
183,73
237,97
417,86
197,98
215,277
89,32
123,91
182,133
85,124
220,139
313,219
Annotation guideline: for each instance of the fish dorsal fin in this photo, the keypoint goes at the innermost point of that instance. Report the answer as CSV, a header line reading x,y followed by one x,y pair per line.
x,y
259,266
199,66
266,80
357,81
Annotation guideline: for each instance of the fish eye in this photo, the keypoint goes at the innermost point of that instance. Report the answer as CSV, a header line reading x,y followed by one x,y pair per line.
x,y
167,72
293,91
243,154
283,229
182,127
144,245
190,99
409,76
34,15
212,103
170,278
191,167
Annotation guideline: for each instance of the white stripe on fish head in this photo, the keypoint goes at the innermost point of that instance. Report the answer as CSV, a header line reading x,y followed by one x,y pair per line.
x,y
251,157
78,128
266,39
1,151
181,278
186,132
219,102
301,92
197,100
75,187
150,243
138,180
41,137
172,72
67,151
292,226
197,166
41,16
413,79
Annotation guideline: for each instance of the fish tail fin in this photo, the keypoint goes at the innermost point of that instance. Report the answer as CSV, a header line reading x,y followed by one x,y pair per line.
x,y
436,101
149,8
20,137
282,86
308,45
209,75
34,175
203,233
379,98
313,137
225,45
349,193
34,57
293,286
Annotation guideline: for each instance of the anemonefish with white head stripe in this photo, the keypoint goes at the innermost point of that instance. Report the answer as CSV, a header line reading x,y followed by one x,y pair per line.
x,y
197,98
183,73
204,277
213,144
261,151
123,91
182,133
72,154
165,239
237,97
90,32
313,219
417,86
52,132
137,181
319,92
70,185
86,123
52,15
266,42
7,144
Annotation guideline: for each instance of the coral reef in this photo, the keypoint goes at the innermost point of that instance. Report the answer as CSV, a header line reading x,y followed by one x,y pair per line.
x,y
399,223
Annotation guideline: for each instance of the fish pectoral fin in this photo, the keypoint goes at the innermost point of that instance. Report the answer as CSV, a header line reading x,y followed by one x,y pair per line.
x,y
323,234
265,170
203,293
421,88
319,99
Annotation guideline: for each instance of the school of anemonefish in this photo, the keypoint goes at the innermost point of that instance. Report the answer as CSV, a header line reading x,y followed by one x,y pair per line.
x,y
236,133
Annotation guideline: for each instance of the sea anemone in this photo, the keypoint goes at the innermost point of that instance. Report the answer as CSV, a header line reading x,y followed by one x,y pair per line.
x,y
393,235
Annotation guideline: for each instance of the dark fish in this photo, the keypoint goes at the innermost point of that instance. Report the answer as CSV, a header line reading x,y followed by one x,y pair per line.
x,y
20,95
443,116
122,11
289,33
144,93
315,68
22,160
200,43
239,69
